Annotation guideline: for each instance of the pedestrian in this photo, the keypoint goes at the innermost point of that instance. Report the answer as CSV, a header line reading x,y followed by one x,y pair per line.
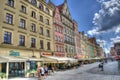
x,y
42,72
38,72
46,70
53,69
101,66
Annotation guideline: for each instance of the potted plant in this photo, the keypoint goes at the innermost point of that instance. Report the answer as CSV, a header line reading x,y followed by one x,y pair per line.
x,y
2,75
27,73
30,72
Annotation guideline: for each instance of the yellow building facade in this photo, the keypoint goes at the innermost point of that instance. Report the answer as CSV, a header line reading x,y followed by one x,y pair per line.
x,y
25,29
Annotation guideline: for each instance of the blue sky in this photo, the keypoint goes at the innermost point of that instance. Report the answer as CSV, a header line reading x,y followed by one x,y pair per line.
x,y
98,18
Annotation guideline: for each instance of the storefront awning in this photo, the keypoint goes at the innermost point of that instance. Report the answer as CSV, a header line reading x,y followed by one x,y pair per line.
x,y
2,60
78,56
61,59
13,59
71,60
33,59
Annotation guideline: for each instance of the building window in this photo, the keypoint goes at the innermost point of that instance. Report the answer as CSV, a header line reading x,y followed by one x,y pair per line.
x,y
61,39
48,45
33,2
47,10
9,18
22,40
47,33
41,7
41,30
7,37
33,14
41,44
22,23
55,28
41,18
55,38
10,3
33,27
57,48
23,9
66,48
47,22
33,42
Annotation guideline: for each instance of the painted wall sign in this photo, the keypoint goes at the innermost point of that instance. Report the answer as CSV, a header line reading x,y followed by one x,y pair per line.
x,y
14,53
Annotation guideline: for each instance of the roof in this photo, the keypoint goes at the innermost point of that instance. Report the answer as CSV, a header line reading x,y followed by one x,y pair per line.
x,y
60,7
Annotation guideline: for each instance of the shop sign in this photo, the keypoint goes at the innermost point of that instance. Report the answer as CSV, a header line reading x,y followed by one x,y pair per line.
x,y
45,54
14,53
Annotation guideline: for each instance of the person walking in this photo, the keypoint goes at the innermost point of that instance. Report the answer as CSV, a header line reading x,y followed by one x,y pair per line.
x,y
42,72
38,72
46,70
101,66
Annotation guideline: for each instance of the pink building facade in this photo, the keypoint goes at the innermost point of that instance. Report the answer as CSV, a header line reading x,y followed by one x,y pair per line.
x,y
113,52
58,34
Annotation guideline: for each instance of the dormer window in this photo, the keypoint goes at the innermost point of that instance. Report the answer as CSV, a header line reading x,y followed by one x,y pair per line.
x,y
33,2
41,7
47,10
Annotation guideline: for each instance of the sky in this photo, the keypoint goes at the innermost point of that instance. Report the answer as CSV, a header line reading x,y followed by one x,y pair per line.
x,y
97,18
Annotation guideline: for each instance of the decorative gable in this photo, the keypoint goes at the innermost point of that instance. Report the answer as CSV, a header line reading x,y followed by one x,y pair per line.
x,y
65,11
57,17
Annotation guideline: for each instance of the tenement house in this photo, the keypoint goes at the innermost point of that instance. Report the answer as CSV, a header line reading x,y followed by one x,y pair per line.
x,y
25,33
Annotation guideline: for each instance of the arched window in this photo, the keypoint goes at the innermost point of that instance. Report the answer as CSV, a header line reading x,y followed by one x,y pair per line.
x,y
41,7
33,2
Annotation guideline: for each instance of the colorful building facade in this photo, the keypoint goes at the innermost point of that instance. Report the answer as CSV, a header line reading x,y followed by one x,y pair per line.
x,y
77,41
58,34
69,42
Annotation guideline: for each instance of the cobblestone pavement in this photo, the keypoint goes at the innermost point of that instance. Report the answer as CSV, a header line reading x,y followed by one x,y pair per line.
x,y
81,73
110,68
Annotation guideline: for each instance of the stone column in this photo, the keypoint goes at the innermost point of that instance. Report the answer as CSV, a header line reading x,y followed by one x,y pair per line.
x,y
7,70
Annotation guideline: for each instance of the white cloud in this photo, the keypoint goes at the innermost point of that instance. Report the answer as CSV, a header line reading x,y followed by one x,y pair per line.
x,y
101,42
108,17
86,34
93,32
117,30
107,50
116,39
100,1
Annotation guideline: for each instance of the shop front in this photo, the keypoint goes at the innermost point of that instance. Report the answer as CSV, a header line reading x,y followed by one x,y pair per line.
x,y
14,66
